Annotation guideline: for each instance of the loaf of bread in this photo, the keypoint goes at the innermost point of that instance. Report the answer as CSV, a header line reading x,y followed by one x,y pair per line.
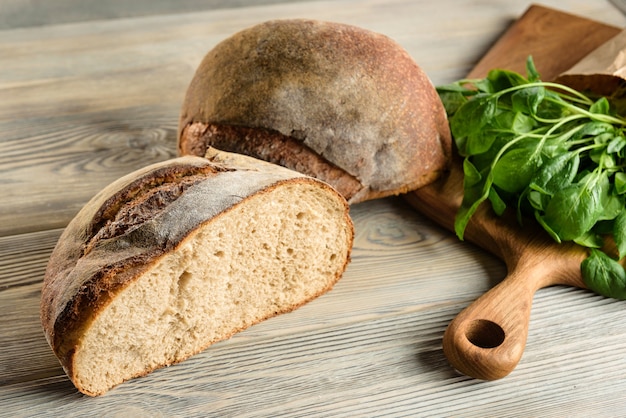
x,y
337,102
178,255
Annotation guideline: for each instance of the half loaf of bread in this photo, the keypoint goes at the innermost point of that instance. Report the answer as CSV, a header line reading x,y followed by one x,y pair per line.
x,y
334,101
176,256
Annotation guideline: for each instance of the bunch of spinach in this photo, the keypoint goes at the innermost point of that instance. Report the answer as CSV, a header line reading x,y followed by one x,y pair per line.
x,y
550,153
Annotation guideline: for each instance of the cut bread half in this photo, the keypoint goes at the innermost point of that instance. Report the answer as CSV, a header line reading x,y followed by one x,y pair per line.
x,y
179,255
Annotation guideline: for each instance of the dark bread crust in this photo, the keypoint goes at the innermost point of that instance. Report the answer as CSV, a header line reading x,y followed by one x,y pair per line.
x,y
143,199
283,150
353,97
125,229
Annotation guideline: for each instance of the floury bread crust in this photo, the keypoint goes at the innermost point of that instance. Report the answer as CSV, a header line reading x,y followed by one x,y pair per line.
x,y
178,255
334,101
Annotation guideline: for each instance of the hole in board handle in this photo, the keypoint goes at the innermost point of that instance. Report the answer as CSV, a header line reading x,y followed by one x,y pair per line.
x,y
485,334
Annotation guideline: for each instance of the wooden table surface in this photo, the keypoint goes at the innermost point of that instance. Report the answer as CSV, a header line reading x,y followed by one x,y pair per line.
x,y
85,101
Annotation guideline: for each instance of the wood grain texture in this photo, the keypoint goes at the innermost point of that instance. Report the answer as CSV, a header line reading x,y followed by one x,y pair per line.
x,y
28,13
106,94
540,32
379,354
82,104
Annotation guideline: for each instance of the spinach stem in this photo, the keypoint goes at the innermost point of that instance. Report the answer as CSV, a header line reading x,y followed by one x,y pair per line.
x,y
576,95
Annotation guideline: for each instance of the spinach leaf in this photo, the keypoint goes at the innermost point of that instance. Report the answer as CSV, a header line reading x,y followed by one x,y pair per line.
x,y
531,71
620,182
452,100
619,233
611,203
472,116
555,174
601,106
528,100
604,275
479,143
616,145
515,169
573,211
497,203
504,79
476,191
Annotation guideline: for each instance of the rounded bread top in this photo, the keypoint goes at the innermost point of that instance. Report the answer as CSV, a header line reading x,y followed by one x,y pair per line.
x,y
354,96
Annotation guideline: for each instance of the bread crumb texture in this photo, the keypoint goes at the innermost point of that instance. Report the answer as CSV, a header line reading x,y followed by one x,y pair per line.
x,y
257,260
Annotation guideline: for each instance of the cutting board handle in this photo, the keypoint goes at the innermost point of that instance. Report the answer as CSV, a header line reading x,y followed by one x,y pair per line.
x,y
487,339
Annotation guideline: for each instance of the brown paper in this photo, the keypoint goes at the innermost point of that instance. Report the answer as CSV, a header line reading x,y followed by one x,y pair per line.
x,y
601,72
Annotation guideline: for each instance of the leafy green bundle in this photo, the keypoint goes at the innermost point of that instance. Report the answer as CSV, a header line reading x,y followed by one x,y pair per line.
x,y
550,153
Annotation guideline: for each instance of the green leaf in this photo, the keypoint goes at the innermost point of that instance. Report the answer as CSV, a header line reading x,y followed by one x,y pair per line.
x,y
531,70
497,203
554,108
553,148
471,175
589,240
465,213
515,168
573,211
452,100
608,161
604,138
538,199
619,233
480,142
616,145
601,106
595,128
522,123
556,173
620,182
475,192
472,116
547,227
484,86
527,100
504,79
597,155
604,275
456,87
611,204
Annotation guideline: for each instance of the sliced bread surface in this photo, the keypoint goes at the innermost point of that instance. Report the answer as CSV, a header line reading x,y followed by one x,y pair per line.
x,y
157,267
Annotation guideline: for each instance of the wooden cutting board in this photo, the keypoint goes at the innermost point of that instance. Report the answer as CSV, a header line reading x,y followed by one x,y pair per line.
x,y
487,339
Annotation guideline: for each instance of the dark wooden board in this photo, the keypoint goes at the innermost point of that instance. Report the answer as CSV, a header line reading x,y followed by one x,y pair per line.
x,y
556,40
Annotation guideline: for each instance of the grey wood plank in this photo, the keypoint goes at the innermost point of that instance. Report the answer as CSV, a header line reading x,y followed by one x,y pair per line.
x,y
392,366
86,103
370,347
83,103
30,13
